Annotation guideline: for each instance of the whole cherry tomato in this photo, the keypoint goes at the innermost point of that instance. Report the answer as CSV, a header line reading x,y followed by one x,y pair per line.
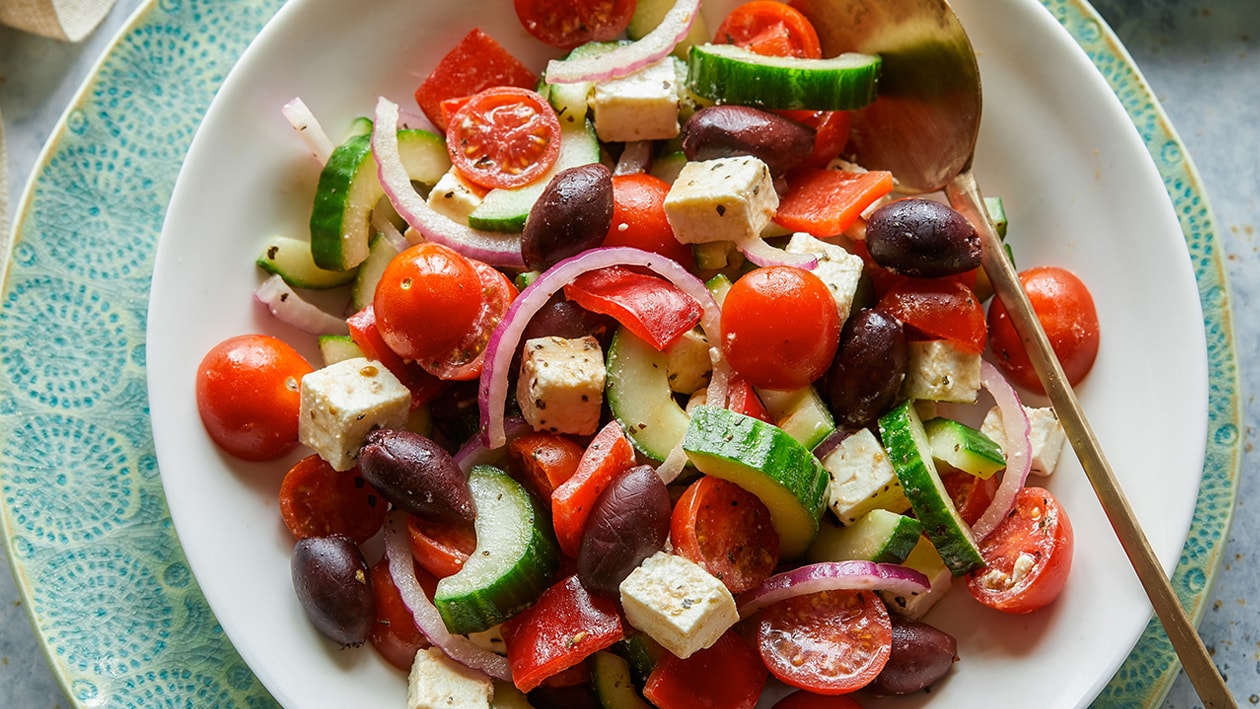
x,y
428,299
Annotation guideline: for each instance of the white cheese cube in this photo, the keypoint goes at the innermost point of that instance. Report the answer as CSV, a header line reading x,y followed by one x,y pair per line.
x,y
438,682
454,197
925,559
561,386
342,402
677,603
838,269
1045,432
861,478
688,362
938,370
725,199
641,106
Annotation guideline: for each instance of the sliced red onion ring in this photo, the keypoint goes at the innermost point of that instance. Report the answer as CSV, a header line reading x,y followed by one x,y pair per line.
x,y
494,249
634,158
629,58
475,452
428,620
308,129
1018,449
506,337
673,464
834,576
762,253
388,231
287,306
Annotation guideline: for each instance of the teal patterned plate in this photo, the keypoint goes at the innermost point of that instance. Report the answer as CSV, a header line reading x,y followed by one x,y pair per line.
x,y
84,515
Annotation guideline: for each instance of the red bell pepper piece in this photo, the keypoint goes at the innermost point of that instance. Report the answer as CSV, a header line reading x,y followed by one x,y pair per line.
x,y
609,453
477,62
826,202
654,309
742,398
938,308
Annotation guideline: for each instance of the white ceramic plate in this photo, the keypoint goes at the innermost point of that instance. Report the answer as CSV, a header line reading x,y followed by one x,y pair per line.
x,y
1081,192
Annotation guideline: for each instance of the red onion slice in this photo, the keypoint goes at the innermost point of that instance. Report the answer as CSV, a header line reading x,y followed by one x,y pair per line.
x,y
475,452
762,253
494,249
388,231
287,306
1018,449
308,129
506,337
428,620
834,576
628,58
635,157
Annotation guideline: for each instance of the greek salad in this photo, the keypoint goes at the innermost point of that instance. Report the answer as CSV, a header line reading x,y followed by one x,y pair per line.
x,y
653,396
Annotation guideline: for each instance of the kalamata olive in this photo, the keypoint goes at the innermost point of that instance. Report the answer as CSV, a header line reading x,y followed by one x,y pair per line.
x,y
573,214
869,367
333,584
416,475
564,318
921,654
628,523
922,238
727,131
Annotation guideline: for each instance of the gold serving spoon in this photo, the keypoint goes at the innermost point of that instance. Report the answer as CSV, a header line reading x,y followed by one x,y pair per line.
x,y
923,129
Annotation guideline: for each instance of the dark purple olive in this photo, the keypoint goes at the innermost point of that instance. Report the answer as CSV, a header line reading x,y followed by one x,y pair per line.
x,y
868,369
921,654
628,523
416,475
333,584
564,318
573,214
728,131
922,238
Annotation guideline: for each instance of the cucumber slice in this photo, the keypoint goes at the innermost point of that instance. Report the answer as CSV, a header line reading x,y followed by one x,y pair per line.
x,y
766,461
649,13
638,393
349,189
380,253
729,74
505,210
610,676
570,100
718,286
291,259
513,563
359,126
642,653
335,348
881,536
963,447
911,456
800,412
666,167
997,212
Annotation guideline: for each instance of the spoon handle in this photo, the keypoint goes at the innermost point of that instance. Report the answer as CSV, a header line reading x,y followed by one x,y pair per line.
x,y
964,194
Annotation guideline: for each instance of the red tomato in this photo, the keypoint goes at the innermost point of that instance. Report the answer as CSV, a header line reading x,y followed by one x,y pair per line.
x,y
565,626
567,23
316,501
801,699
504,137
826,202
971,495
770,28
440,549
780,327
609,453
1066,311
394,633
427,301
727,675
654,309
248,396
1027,557
542,460
726,530
476,63
829,642
938,308
464,361
639,218
363,331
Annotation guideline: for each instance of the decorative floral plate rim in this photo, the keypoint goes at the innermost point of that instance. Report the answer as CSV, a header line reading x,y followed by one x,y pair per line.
x,y
86,528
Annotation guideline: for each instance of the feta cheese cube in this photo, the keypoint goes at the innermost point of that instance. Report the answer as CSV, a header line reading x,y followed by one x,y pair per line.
x,y
861,478
561,386
1045,432
438,682
938,370
641,106
454,197
342,402
924,559
677,603
725,199
838,269
688,362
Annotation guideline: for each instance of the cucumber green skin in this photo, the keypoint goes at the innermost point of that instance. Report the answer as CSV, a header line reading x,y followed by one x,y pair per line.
x,y
291,259
908,451
800,412
642,653
729,74
368,273
880,536
766,461
610,677
963,447
512,528
638,394
336,348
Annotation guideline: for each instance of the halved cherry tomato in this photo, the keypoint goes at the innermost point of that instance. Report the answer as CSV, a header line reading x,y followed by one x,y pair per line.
x,y
971,495
742,398
542,460
780,327
440,549
248,396
801,699
639,218
1066,310
1027,556
726,530
363,331
464,361
565,24
394,633
829,642
609,453
726,675
476,63
427,301
826,202
654,309
938,308
504,136
565,626
770,28
316,501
